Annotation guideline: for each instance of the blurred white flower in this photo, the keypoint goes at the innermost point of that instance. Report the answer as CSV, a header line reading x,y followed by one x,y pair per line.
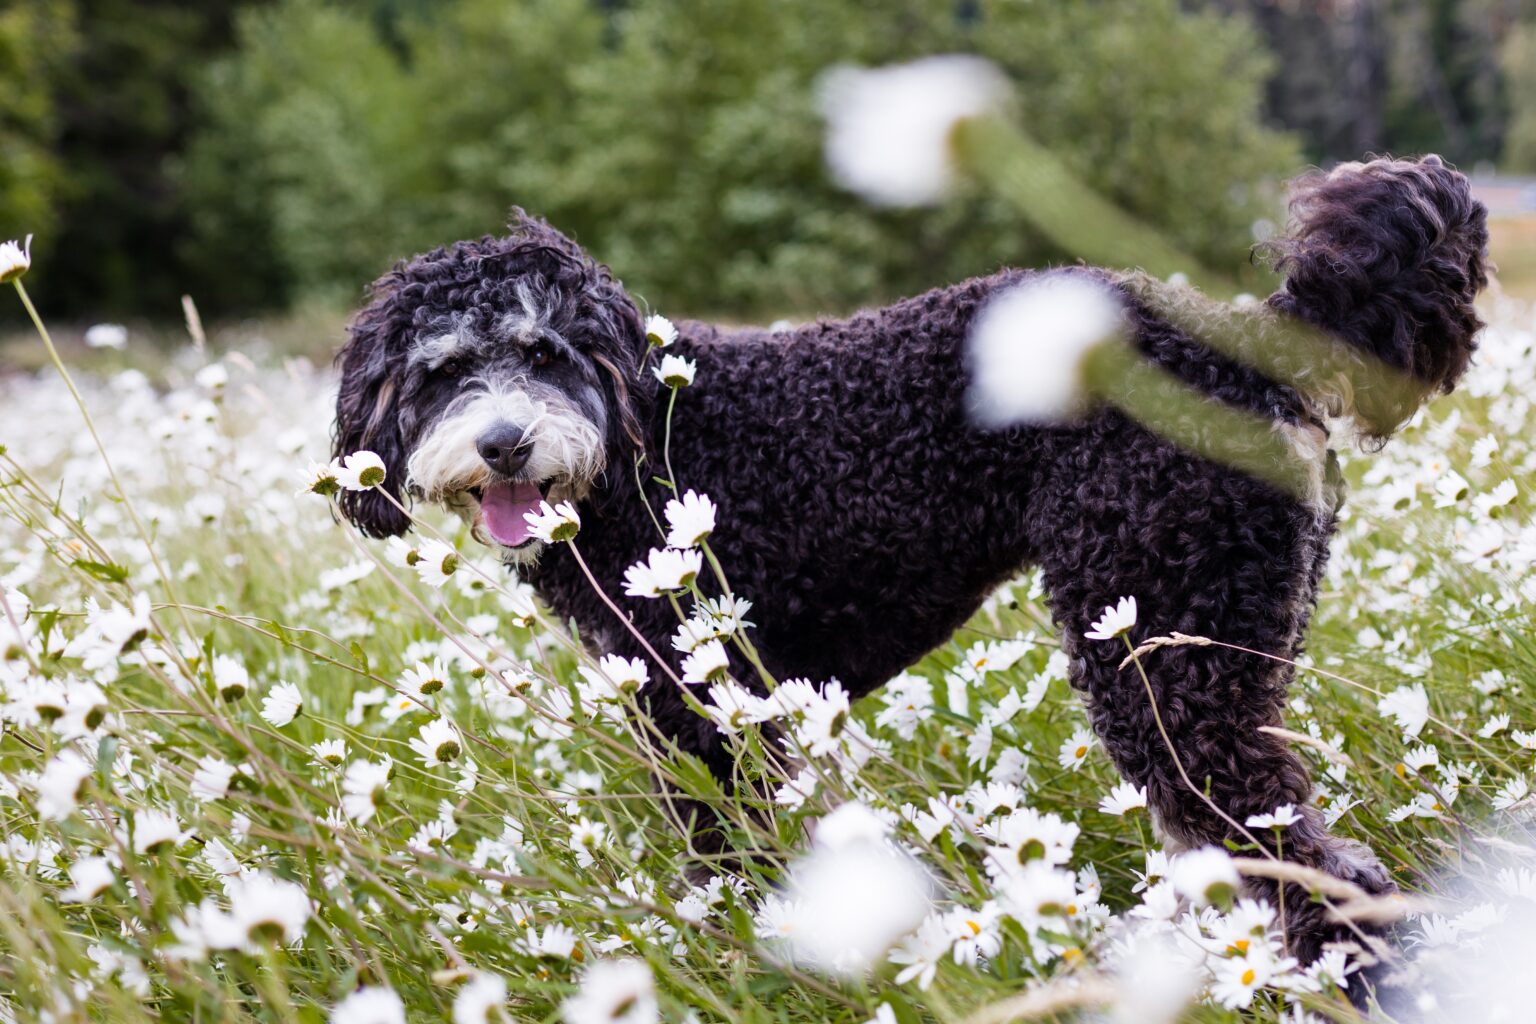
x,y
212,778
1503,493
437,743
262,909
850,824
1154,981
659,331
614,992
1450,488
1408,706
889,130
436,561
369,1005
15,259
853,901
114,336
89,878
1483,451
676,371
109,632
282,704
230,677
362,789
1116,620
214,377
554,525
360,471
1206,875
1027,351
690,520
59,785
480,999
155,830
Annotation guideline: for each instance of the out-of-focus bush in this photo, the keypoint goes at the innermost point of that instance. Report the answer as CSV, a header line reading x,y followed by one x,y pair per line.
x,y
1519,59
679,139
29,171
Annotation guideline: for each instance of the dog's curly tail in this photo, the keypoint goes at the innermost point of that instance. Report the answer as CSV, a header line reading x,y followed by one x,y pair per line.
x,y
1388,255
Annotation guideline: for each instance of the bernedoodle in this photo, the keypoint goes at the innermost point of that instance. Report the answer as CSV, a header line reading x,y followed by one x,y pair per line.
x,y
866,514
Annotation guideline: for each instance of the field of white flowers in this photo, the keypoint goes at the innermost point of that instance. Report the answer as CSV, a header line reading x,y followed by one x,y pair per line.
x,y
255,767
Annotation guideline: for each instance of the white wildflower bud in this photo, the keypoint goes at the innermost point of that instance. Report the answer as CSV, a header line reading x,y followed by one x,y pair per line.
x,y
15,259
676,371
1029,347
659,331
889,130
113,336
361,471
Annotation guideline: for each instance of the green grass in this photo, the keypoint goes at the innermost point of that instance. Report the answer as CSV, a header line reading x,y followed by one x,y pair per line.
x,y
211,474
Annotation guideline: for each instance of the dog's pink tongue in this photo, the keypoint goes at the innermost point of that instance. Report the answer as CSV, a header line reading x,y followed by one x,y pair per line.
x,y
503,506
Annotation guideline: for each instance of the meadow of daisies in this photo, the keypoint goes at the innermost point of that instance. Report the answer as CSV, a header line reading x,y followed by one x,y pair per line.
x,y
255,767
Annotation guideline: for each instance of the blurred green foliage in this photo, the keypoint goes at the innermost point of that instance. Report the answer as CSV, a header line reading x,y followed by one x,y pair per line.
x,y
1520,65
29,122
679,139
257,153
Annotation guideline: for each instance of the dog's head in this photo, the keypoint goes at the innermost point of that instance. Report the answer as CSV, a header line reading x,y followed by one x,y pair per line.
x,y
489,376
1389,255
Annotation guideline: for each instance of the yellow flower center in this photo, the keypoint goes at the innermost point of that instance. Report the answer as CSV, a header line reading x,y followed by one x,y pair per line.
x,y
1081,752
1248,976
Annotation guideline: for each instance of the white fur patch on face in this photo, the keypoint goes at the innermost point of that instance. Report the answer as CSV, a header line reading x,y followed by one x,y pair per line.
x,y
527,324
567,447
455,340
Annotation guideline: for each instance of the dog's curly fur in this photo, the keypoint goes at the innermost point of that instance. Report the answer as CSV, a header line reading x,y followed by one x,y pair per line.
x,y
867,518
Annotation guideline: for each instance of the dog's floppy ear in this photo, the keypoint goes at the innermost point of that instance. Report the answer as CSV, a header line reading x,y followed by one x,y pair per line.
x,y
619,353
366,413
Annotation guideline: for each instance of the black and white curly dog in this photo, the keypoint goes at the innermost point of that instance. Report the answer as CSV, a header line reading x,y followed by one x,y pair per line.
x,y
867,517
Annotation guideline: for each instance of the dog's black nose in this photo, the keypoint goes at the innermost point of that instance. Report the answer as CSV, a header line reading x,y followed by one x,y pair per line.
x,y
503,449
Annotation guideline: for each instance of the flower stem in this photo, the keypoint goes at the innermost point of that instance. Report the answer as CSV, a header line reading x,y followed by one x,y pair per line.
x,y
90,425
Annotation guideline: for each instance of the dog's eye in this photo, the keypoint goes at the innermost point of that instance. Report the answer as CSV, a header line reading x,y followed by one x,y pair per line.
x,y
541,354
451,367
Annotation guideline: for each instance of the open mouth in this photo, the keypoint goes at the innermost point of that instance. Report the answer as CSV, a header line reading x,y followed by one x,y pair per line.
x,y
502,508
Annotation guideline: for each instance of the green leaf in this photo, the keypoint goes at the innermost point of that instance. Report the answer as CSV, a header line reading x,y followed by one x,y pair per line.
x,y
107,572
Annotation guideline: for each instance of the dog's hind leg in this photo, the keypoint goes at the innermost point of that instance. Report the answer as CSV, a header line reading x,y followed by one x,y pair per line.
x,y
1237,563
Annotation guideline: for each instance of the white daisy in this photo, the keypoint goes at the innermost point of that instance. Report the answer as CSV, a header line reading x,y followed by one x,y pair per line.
x,y
437,743
659,331
282,704
676,371
614,992
690,520
15,259
1075,748
554,524
1123,798
362,788
360,471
